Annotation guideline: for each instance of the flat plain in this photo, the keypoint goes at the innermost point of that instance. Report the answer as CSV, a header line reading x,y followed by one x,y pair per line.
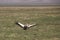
x,y
46,18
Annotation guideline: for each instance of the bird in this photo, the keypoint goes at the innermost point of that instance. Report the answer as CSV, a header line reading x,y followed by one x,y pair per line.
x,y
25,27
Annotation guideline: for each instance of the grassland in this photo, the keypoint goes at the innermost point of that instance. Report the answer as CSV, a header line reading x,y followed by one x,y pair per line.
x,y
46,18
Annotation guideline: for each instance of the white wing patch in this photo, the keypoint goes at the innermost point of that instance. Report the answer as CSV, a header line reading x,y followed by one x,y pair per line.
x,y
31,25
21,24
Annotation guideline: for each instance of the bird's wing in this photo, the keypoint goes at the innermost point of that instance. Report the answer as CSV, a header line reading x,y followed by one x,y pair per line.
x,y
20,24
31,25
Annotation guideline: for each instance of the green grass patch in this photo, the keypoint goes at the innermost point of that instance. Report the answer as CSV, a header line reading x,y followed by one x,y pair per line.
x,y
47,20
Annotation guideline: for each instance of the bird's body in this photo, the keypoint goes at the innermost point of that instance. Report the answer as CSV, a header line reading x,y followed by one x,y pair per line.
x,y
25,26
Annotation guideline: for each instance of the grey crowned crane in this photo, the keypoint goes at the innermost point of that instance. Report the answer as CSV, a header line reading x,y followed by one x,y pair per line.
x,y
25,27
